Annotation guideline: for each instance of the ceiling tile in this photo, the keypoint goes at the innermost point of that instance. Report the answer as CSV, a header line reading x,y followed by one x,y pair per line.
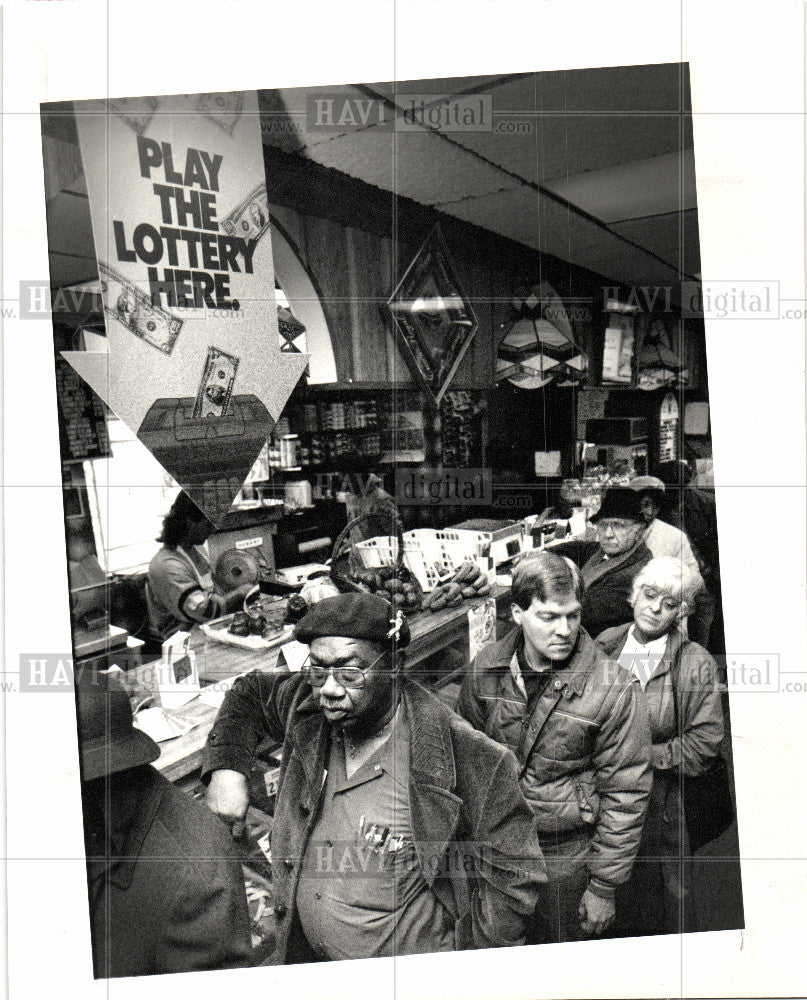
x,y
535,221
650,186
671,236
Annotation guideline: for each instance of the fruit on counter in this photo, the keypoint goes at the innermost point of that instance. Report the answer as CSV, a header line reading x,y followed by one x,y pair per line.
x,y
257,624
296,607
469,581
390,582
273,629
240,625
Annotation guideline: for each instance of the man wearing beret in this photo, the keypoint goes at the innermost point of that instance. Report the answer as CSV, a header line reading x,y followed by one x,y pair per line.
x,y
398,828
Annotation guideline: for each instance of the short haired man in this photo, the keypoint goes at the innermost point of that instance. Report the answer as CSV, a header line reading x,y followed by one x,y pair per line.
x,y
386,800
165,884
579,729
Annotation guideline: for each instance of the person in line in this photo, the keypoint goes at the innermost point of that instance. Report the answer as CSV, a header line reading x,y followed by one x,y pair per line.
x,y
166,888
661,538
180,592
693,510
386,801
686,738
578,726
609,564
664,539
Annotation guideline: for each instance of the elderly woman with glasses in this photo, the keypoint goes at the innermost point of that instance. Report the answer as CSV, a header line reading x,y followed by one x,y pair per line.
x,y
679,680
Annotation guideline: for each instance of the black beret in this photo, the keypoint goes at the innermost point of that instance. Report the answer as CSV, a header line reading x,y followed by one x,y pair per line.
x,y
354,616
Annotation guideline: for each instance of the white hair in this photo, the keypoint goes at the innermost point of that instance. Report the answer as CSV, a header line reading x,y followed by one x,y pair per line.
x,y
671,576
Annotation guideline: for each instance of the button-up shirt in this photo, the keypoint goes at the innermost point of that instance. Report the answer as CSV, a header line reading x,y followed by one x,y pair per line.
x,y
642,659
362,893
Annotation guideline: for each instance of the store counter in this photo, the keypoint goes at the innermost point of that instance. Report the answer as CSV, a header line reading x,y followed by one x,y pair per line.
x,y
219,664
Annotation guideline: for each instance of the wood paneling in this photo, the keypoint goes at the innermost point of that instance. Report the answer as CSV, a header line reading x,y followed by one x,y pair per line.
x,y
357,241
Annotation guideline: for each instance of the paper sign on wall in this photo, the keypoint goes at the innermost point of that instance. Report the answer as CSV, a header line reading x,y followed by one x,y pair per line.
x,y
481,626
180,218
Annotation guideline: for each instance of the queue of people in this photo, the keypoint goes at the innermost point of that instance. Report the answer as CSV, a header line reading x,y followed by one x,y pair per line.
x,y
547,808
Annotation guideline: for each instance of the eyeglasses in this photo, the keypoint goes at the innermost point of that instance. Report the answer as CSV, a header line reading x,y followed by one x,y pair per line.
x,y
615,527
346,676
652,594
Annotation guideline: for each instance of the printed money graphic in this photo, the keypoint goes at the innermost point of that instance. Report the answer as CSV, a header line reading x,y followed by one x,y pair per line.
x,y
203,403
216,386
250,219
131,307
223,110
176,437
137,112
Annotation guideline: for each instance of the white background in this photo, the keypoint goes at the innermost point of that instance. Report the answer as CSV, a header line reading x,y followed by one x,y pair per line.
x,y
747,72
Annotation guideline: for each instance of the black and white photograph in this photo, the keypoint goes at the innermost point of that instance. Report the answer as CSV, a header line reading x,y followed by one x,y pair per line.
x,y
410,545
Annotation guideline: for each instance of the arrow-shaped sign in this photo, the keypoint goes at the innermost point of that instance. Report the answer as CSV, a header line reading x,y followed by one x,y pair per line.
x,y
181,224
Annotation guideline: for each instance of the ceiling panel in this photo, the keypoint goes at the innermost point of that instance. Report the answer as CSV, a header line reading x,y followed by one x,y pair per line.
x,y
633,190
527,217
557,146
416,165
649,87
578,119
670,236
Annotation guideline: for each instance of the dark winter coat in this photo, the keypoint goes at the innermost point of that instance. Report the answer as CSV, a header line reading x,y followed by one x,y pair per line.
x,y
165,884
463,790
584,752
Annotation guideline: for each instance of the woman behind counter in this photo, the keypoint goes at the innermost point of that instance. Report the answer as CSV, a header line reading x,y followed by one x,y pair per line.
x,y
658,897
180,591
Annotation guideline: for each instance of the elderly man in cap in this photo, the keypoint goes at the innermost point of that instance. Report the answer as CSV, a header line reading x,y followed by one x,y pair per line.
x,y
165,885
609,565
398,829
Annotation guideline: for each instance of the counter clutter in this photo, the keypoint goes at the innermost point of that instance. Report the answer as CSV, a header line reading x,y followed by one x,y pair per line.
x,y
470,580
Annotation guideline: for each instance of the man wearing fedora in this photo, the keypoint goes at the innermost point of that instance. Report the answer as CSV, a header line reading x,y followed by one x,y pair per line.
x,y
398,828
165,885
609,565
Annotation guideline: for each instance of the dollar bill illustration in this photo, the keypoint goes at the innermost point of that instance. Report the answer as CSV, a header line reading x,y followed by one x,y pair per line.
x,y
216,386
129,305
223,110
250,219
137,112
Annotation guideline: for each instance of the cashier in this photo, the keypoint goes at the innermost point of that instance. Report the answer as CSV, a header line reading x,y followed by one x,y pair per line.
x,y
179,591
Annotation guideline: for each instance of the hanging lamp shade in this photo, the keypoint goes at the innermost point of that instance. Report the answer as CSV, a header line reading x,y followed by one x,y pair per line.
x,y
658,364
538,344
